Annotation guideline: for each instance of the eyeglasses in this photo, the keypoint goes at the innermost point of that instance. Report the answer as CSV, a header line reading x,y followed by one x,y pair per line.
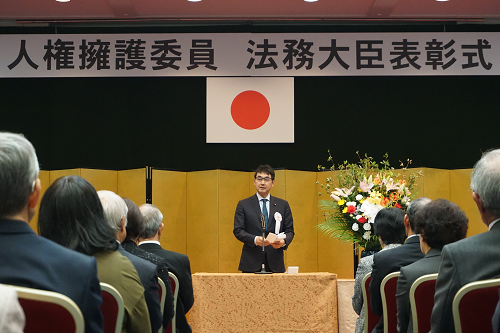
x,y
265,179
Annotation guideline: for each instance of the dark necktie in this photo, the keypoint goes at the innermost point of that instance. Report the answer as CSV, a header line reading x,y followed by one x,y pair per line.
x,y
264,211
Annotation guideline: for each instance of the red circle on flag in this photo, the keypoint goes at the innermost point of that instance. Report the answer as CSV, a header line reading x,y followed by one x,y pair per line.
x,y
250,109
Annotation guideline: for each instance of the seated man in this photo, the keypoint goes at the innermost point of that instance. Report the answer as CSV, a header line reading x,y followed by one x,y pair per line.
x,y
115,211
28,260
390,261
439,223
177,263
474,258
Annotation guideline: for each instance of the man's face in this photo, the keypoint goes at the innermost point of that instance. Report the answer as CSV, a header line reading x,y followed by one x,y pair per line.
x,y
263,183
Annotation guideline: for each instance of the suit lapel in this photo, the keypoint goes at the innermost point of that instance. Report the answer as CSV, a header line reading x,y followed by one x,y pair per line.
x,y
272,210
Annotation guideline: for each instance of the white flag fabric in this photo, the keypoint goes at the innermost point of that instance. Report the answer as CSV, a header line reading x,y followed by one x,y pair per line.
x,y
250,110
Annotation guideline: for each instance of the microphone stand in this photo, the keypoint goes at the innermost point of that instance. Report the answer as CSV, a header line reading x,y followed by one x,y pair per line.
x,y
263,225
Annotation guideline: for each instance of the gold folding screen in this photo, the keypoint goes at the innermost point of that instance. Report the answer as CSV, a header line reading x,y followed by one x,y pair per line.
x,y
198,210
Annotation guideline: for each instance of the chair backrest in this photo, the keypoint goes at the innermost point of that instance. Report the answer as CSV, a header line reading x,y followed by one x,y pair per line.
x,y
422,301
388,291
162,295
174,282
474,305
112,309
371,319
48,311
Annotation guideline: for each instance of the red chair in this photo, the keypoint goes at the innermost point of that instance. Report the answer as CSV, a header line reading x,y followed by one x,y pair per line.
x,y
388,291
48,311
112,309
422,301
162,295
474,305
371,319
174,282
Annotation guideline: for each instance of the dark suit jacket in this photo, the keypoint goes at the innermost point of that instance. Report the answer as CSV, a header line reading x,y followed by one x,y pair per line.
x,y
471,259
495,321
162,270
28,260
247,225
386,262
179,265
149,280
428,265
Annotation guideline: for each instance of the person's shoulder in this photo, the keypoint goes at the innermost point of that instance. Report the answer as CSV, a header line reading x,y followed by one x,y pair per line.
x,y
59,252
139,262
472,243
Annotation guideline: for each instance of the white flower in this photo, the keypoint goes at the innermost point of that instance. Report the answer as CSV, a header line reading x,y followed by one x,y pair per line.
x,y
370,210
367,226
355,227
350,203
366,235
277,216
359,197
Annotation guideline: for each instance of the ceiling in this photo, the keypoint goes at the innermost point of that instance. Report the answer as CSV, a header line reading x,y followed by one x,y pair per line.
x,y
18,12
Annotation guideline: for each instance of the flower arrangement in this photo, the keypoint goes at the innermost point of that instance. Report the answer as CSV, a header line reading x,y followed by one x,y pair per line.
x,y
362,189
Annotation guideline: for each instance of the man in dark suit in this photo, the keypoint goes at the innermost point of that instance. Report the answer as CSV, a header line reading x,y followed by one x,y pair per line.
x,y
386,262
439,223
177,263
248,227
115,211
28,260
474,258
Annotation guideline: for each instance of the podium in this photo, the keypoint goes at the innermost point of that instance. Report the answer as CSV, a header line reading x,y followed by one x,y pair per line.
x,y
234,302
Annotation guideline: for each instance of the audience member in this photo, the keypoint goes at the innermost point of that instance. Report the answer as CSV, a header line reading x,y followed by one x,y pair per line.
x,y
135,228
28,260
390,261
474,258
115,211
389,226
12,318
177,263
439,223
72,215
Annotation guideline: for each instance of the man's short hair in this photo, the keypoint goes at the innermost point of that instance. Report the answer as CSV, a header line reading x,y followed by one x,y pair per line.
x,y
485,181
264,169
114,208
152,219
19,170
412,211
441,222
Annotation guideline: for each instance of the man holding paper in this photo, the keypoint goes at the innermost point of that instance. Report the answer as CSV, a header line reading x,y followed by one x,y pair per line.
x,y
278,224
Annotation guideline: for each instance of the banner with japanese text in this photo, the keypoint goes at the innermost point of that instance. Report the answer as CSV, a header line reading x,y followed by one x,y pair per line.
x,y
249,54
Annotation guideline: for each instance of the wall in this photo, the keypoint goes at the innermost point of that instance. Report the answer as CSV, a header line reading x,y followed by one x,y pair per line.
x,y
198,209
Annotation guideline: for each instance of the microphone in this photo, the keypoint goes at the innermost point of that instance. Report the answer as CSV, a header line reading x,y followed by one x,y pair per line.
x,y
263,221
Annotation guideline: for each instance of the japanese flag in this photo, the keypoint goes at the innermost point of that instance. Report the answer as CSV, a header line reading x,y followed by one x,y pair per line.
x,y
250,109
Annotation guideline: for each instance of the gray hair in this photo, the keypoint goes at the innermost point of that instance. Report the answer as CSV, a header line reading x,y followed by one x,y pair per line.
x,y
152,219
413,210
485,181
19,171
114,208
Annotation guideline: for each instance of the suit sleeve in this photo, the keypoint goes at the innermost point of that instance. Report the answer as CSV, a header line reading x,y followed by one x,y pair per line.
x,y
357,298
403,302
447,285
375,297
288,225
153,302
239,229
91,308
186,288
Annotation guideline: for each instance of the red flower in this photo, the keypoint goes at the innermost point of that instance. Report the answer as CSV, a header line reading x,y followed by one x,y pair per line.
x,y
362,220
397,205
351,209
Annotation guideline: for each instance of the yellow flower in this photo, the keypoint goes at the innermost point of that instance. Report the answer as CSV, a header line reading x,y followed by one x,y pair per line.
x,y
341,202
344,210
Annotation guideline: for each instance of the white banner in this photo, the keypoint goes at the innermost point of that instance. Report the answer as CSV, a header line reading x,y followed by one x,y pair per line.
x,y
246,54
